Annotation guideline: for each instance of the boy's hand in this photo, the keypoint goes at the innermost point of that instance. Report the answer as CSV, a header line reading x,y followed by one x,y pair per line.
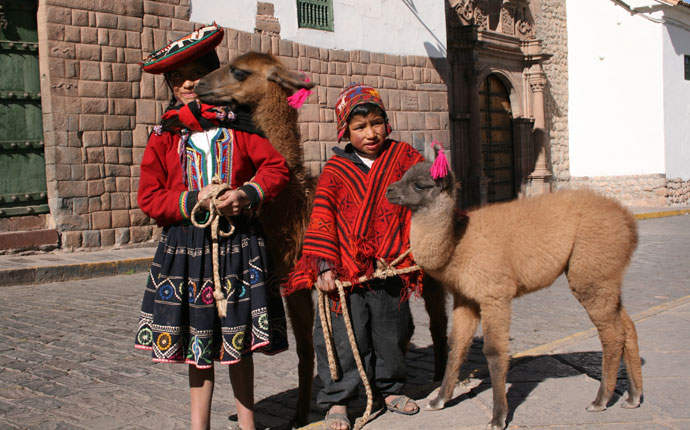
x,y
232,202
326,282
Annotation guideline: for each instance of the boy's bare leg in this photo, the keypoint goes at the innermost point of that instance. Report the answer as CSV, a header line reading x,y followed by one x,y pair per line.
x,y
242,381
201,393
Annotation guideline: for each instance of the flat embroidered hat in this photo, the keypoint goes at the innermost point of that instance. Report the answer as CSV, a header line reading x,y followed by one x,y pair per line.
x,y
183,50
350,98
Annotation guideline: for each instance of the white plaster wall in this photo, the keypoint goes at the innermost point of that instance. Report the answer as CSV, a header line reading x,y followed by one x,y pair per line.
x,y
399,27
237,14
616,107
677,101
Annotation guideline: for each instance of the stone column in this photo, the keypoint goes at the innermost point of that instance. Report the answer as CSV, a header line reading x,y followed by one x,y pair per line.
x,y
479,180
541,176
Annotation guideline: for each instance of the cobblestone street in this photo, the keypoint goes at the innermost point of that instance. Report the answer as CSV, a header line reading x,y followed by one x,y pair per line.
x,y
67,359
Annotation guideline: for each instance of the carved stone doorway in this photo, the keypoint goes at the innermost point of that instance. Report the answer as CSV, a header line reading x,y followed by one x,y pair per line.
x,y
497,139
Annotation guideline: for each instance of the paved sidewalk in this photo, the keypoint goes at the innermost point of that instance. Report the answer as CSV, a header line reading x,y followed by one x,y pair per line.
x,y
67,362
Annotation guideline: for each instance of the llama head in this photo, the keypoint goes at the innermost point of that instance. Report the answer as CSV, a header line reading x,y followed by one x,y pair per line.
x,y
245,80
417,190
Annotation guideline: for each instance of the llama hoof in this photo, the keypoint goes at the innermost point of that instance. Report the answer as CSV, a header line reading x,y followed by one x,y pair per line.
x,y
630,403
496,425
594,407
435,405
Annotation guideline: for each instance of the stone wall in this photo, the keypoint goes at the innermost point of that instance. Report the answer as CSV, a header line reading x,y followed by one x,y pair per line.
x,y
638,190
99,107
551,28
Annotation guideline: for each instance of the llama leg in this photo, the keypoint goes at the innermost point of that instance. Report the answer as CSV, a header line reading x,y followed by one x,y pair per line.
x,y
301,311
465,319
602,302
496,329
434,296
633,366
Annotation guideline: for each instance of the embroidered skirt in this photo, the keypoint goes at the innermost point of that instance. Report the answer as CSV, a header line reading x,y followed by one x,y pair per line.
x,y
179,322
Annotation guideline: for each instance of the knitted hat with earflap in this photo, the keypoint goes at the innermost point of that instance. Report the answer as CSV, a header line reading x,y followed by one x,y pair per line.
x,y
350,98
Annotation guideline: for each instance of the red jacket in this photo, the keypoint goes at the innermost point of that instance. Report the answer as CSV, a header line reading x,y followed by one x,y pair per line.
x,y
165,197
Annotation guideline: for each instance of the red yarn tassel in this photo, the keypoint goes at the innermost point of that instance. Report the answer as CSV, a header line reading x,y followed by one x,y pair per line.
x,y
297,100
440,167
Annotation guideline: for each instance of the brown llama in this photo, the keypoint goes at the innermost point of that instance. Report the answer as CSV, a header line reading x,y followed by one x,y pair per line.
x,y
262,82
506,250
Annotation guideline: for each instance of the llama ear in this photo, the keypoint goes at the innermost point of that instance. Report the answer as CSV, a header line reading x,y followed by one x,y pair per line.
x,y
287,79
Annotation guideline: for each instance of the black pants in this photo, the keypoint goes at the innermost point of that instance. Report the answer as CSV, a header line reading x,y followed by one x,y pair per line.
x,y
381,324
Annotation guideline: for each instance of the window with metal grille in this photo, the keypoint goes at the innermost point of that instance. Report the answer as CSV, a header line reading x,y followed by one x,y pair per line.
x,y
316,14
687,67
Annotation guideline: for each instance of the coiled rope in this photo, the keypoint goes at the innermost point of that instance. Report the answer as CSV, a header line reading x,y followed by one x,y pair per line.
x,y
217,188
383,271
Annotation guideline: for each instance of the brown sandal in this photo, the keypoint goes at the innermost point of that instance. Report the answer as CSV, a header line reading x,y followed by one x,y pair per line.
x,y
399,404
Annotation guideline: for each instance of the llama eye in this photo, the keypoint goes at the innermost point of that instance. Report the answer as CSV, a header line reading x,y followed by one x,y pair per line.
x,y
420,187
239,74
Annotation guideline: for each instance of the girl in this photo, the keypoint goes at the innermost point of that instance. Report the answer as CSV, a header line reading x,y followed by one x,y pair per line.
x,y
179,322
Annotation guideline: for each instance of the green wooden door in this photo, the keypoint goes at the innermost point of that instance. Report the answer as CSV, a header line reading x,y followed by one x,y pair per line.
x,y
22,164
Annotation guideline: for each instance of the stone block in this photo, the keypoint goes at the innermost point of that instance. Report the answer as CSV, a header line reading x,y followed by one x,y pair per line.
x,y
70,239
106,20
77,172
109,184
30,222
122,184
120,218
137,217
67,189
119,72
117,38
108,54
438,102
116,122
91,106
95,155
92,89
90,122
134,73
89,35
80,17
140,234
67,155
100,220
107,237
87,52
130,23
91,239
58,15
119,89
121,236
96,187
119,200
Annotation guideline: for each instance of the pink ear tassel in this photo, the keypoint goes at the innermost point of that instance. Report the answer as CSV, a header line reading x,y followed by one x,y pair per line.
x,y
297,100
440,167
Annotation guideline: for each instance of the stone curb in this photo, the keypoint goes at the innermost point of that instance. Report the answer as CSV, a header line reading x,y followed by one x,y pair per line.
x,y
69,272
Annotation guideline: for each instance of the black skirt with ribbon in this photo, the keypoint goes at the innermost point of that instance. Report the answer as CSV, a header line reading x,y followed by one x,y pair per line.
x,y
179,322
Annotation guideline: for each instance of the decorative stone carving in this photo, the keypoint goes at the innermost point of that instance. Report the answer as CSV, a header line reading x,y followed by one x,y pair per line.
x,y
465,10
507,21
523,25
480,18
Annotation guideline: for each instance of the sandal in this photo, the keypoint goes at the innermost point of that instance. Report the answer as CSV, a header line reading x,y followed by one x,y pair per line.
x,y
334,417
399,405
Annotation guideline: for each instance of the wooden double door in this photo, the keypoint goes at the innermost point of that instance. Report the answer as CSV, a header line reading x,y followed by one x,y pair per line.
x,y
497,145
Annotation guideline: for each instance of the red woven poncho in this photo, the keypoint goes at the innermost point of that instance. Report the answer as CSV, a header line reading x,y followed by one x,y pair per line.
x,y
353,223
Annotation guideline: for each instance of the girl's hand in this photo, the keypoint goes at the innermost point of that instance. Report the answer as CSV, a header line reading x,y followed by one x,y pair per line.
x,y
202,196
326,282
232,202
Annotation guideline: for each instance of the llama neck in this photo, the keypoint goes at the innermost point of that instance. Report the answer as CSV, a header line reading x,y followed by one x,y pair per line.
x,y
432,233
279,122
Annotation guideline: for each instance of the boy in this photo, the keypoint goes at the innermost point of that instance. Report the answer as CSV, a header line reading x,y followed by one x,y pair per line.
x,y
352,226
